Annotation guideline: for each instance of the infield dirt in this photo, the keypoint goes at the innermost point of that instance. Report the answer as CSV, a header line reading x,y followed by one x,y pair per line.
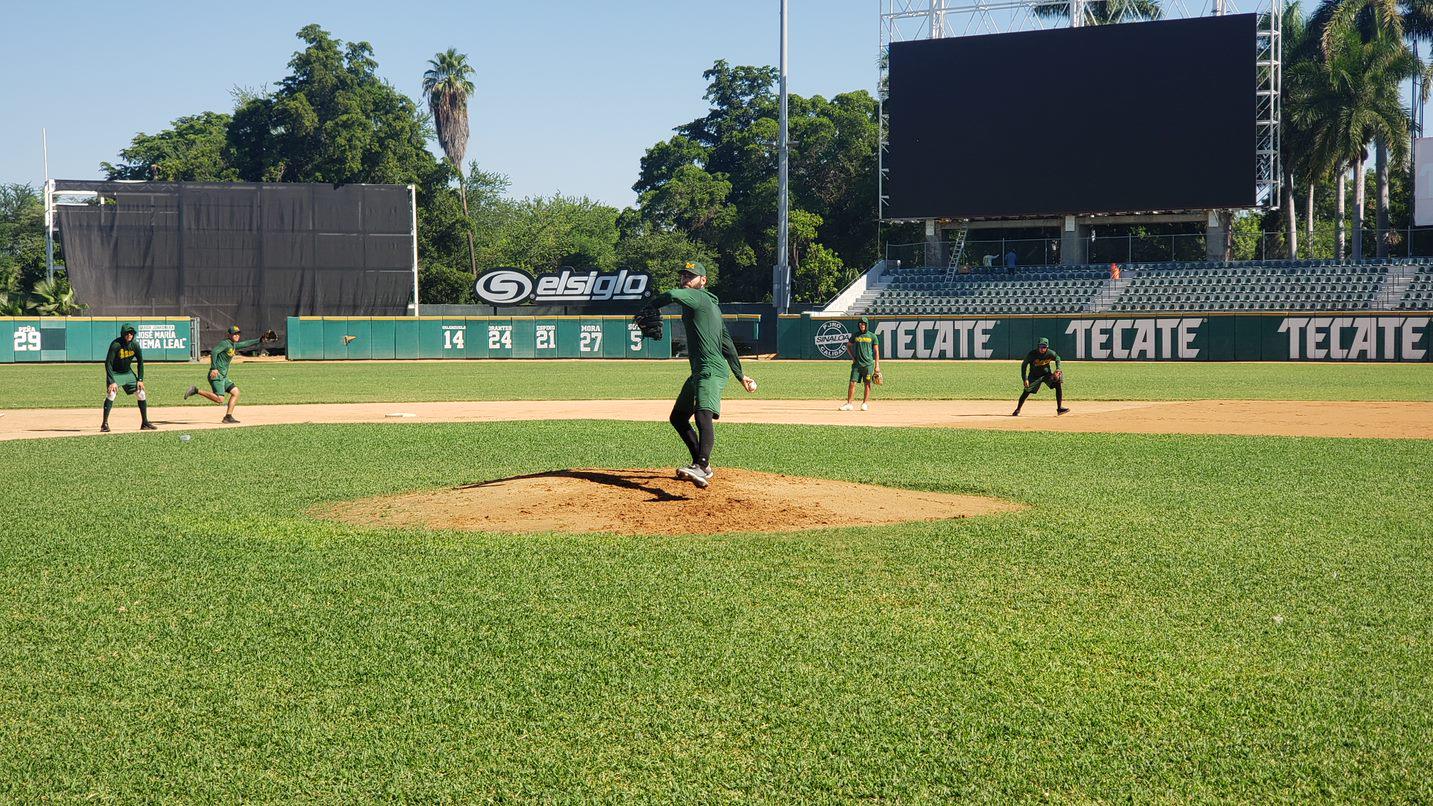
x,y
654,502
1401,420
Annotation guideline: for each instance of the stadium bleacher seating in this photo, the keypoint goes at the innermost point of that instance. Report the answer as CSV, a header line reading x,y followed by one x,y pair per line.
x,y
1279,285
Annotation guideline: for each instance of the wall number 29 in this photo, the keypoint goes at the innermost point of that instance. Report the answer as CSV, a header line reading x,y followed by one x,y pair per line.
x,y
27,340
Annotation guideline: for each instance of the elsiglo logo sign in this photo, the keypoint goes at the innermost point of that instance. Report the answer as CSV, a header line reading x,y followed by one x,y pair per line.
x,y
831,339
507,286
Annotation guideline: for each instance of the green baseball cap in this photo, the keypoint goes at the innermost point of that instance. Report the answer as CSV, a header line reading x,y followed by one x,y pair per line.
x,y
234,330
127,328
1044,342
866,320
694,268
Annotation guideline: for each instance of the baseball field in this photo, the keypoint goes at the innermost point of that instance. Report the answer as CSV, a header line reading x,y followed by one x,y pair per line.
x,y
1207,582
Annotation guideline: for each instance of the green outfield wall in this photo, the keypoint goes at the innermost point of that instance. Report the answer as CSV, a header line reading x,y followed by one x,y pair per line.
x,y
52,339
330,338
1364,337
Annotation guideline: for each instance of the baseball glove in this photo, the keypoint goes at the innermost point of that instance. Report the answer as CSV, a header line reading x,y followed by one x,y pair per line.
x,y
878,377
1059,375
649,321
269,335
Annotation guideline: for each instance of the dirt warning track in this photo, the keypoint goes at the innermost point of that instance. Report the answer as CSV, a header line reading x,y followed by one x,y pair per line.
x,y
1241,417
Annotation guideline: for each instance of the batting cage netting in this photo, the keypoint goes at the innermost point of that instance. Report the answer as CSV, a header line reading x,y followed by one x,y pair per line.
x,y
239,253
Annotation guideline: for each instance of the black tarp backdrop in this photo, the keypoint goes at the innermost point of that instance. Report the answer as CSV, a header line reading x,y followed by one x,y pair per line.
x,y
238,253
1103,119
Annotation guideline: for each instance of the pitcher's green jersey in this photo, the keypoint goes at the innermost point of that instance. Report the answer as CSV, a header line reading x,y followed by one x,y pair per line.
x,y
224,351
864,347
121,357
709,345
1039,365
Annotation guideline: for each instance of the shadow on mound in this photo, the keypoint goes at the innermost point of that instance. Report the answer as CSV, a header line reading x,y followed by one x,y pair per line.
x,y
645,501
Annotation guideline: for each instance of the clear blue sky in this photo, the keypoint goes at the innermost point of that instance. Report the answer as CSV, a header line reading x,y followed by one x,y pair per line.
x,y
569,94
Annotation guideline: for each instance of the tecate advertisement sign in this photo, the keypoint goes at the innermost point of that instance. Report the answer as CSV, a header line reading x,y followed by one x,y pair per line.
x,y
507,286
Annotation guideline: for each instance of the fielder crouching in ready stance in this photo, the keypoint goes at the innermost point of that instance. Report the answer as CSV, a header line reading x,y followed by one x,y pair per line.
x,y
123,354
711,353
1035,370
219,383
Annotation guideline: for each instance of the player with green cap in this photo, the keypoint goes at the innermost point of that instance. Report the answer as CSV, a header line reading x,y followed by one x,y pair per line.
x,y
711,353
864,347
1035,371
219,383
124,369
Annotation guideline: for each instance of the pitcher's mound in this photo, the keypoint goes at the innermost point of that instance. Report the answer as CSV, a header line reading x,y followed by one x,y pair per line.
x,y
655,502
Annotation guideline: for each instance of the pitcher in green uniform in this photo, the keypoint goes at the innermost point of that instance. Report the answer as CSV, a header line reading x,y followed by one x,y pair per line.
x,y
864,347
124,369
1036,371
711,353
219,383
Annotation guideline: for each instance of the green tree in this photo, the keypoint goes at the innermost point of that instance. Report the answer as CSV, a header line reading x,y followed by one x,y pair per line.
x,y
22,242
332,119
546,233
820,276
447,86
190,150
715,181
1104,12
1357,101
662,253
443,285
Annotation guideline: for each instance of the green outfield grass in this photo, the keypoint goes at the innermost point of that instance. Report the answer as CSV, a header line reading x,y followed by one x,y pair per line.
x,y
39,386
1174,618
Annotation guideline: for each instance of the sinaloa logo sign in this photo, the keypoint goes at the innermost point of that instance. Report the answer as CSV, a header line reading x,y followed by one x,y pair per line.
x,y
831,339
506,286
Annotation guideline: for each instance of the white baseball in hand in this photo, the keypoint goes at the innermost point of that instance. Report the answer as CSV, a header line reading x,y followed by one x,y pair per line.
x,y
749,383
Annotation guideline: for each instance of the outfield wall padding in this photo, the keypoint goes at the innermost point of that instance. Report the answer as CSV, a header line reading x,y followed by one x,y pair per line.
x,y
329,338
54,339
1363,337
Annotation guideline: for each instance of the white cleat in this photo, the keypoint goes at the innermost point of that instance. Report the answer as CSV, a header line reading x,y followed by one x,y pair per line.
x,y
865,407
847,407
700,476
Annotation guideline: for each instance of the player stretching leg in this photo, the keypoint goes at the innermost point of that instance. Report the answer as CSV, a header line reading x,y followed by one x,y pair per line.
x,y
711,353
1037,362
123,352
219,383
864,347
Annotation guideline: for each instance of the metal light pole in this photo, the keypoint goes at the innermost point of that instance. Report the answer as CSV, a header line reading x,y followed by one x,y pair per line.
x,y
781,279
49,210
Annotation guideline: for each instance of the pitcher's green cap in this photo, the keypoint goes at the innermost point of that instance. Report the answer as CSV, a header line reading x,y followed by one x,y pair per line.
x,y
1044,342
866,320
695,268
127,328
233,330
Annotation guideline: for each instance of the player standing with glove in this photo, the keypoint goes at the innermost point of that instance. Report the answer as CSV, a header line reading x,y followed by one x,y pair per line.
x,y
219,382
864,347
123,353
711,353
1037,364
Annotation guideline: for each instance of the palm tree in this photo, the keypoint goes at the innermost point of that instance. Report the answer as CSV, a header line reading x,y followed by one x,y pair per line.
x,y
447,85
1103,12
1352,94
1293,135
54,298
1379,25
